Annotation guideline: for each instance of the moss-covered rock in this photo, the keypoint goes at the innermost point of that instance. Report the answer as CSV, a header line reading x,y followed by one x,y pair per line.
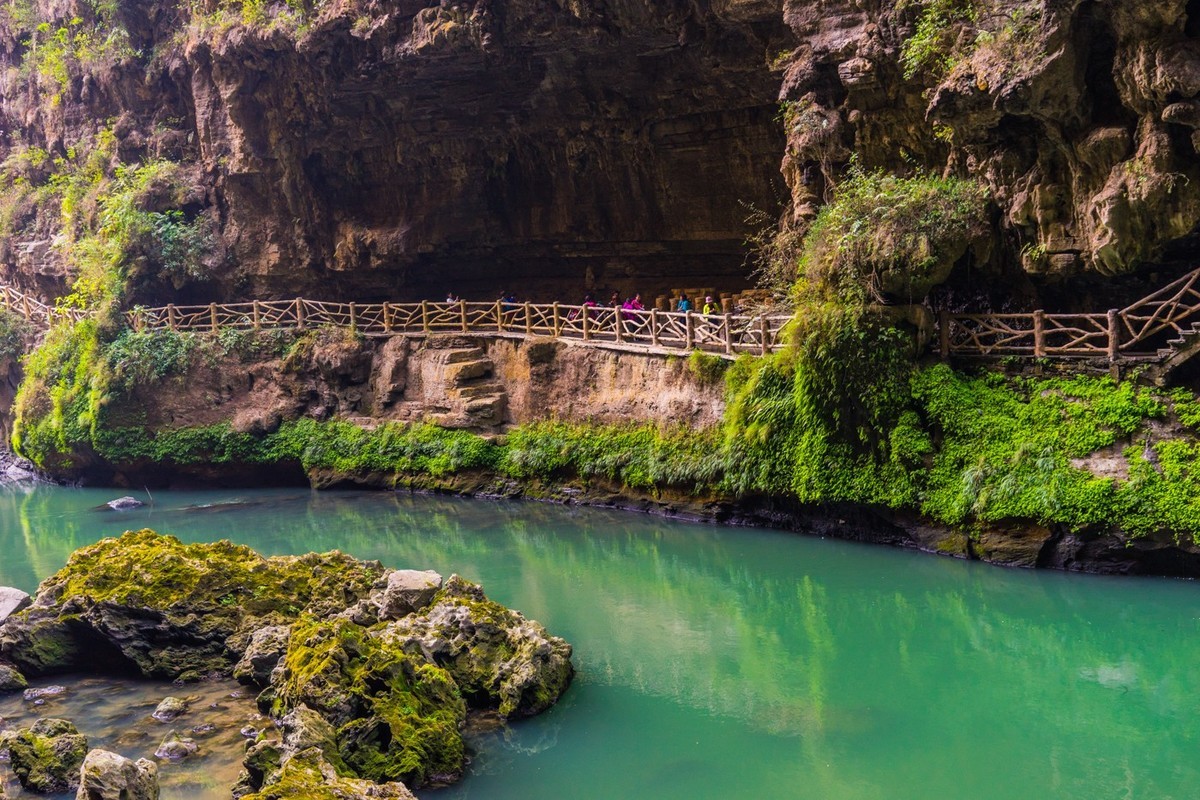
x,y
149,603
47,756
11,680
308,775
396,715
498,658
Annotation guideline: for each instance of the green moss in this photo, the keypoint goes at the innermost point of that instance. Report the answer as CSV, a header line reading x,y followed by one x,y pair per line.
x,y
222,580
397,716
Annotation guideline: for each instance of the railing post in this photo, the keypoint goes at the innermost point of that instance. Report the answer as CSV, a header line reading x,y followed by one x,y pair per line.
x,y
300,313
765,329
212,316
353,317
462,310
554,322
728,333
387,317
1114,336
587,328
256,316
171,316
690,325
7,299
654,326
425,315
944,334
499,317
1039,333
528,319
617,324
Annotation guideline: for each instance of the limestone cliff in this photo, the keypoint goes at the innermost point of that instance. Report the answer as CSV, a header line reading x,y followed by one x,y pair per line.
x,y
368,148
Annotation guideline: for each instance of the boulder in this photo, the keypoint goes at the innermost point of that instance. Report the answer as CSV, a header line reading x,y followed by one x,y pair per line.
x,y
108,776
308,774
497,657
407,590
11,601
150,604
397,716
170,708
47,756
11,680
267,645
42,693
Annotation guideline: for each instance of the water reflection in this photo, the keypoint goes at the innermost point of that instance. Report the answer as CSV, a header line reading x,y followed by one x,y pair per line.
x,y
803,668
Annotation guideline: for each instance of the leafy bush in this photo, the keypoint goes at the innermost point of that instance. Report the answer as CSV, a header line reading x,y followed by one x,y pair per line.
x,y
889,235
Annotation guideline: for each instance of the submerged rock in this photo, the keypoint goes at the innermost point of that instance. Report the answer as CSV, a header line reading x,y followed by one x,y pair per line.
x,y
170,708
176,747
124,503
47,756
108,776
43,692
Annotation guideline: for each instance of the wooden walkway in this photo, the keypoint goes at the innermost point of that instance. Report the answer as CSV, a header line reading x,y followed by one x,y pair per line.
x,y
1154,328
1162,328
724,335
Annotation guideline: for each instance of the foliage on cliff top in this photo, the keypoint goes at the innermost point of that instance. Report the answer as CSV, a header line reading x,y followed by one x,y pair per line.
x,y
888,234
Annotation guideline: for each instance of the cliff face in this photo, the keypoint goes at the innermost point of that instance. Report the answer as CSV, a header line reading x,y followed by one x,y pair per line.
x,y
410,148
1080,117
360,148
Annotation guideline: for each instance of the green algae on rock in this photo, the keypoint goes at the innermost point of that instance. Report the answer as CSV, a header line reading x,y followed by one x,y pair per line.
x,y
47,756
152,604
369,672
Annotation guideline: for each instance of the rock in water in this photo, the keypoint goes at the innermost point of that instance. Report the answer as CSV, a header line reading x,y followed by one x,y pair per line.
x,y
369,671
108,776
47,757
491,651
11,680
124,503
11,601
408,590
151,604
176,747
169,709
43,692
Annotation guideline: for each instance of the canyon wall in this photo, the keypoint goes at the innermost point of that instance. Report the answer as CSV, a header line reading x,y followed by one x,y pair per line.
x,y
366,149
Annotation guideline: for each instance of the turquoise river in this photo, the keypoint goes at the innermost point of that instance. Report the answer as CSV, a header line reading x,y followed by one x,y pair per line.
x,y
717,662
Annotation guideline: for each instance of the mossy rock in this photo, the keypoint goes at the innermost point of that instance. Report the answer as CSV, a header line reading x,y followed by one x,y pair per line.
x,y
499,659
11,680
149,603
308,775
397,717
46,757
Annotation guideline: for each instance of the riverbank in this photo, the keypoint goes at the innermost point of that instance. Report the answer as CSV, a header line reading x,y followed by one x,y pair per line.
x,y
1067,472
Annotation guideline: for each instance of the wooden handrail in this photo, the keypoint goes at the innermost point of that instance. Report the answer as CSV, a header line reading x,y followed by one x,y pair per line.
x,y
1112,335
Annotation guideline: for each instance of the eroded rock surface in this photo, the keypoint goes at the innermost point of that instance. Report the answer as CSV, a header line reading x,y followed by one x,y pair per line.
x,y
366,701
47,756
108,776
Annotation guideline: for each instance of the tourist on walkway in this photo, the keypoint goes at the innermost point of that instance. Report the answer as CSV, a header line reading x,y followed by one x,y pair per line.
x,y
631,306
710,306
684,304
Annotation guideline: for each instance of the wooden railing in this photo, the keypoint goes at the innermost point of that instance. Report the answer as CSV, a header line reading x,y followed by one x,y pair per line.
x,y
1130,333
1120,333
721,334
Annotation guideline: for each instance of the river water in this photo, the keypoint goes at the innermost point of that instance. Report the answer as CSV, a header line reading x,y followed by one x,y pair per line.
x,y
719,663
